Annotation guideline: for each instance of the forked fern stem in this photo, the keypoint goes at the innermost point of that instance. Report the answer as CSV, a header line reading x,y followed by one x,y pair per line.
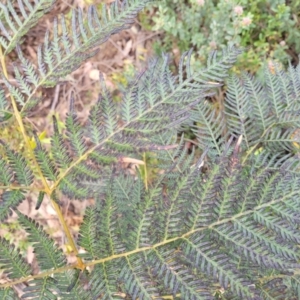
x,y
47,189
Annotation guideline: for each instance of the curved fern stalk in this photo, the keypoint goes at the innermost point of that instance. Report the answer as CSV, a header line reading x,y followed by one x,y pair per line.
x,y
17,26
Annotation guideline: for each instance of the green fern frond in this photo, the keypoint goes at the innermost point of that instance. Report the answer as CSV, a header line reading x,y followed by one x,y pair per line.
x,y
274,93
10,199
44,288
136,280
18,164
17,26
103,280
74,132
47,254
294,76
44,161
67,50
238,111
11,261
217,67
111,242
59,149
209,128
88,234
260,104
219,224
176,277
117,134
8,294
244,229
5,114
6,174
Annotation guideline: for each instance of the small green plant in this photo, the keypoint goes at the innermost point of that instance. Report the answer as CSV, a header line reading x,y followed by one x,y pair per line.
x,y
224,225
266,28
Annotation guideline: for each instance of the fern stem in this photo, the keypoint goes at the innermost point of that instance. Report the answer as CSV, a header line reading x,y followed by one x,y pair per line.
x,y
43,179
149,248
40,275
185,235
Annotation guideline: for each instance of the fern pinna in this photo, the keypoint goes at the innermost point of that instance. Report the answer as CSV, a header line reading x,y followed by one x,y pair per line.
x,y
218,223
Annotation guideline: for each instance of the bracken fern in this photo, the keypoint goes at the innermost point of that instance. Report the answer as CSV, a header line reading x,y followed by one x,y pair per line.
x,y
220,225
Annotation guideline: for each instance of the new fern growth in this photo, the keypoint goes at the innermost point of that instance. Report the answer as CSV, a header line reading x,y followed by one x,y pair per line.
x,y
220,225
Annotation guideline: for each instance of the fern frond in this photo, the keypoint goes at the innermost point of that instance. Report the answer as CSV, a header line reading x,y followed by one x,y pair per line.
x,y
45,250
5,114
238,110
176,277
294,77
102,223
257,96
209,260
118,132
6,174
274,91
88,234
103,280
240,225
11,261
8,294
74,132
59,149
216,237
44,288
44,161
10,199
142,214
19,165
280,140
209,128
217,66
17,26
67,50
136,280
223,226
15,175
94,123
